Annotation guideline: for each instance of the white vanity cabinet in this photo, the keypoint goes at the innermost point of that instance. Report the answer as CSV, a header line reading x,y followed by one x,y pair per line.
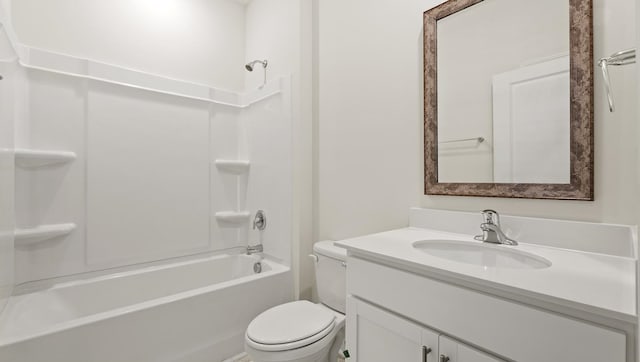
x,y
392,313
454,351
380,336
377,335
566,293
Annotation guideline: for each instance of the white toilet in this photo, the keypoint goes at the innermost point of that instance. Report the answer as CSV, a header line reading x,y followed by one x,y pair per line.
x,y
303,331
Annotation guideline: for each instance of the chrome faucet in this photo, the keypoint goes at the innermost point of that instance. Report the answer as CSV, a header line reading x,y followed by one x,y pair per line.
x,y
260,223
491,231
252,249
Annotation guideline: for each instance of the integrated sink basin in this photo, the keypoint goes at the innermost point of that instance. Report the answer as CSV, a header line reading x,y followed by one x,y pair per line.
x,y
482,254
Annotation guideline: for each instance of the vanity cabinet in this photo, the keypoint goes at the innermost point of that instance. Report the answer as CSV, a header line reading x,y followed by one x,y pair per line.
x,y
392,313
377,335
460,352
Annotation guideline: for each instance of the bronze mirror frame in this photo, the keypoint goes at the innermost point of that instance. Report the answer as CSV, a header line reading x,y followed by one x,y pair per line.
x,y
581,113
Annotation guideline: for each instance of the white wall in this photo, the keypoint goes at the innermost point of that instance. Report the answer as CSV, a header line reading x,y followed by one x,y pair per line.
x,y
369,115
371,122
201,41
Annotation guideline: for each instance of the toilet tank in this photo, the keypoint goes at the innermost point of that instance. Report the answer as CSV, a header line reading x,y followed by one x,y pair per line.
x,y
331,275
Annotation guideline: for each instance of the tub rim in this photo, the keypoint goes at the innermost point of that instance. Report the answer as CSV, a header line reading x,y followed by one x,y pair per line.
x,y
277,267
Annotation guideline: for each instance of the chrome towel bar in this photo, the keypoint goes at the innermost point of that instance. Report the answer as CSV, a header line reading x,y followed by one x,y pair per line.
x,y
477,139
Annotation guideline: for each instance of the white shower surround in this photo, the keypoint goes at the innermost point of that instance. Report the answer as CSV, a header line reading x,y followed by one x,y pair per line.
x,y
96,111
61,102
193,310
7,170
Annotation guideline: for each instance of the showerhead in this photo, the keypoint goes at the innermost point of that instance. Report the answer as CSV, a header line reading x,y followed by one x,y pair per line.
x,y
249,66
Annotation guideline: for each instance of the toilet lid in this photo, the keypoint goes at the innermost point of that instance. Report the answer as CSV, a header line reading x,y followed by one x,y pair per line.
x,y
291,322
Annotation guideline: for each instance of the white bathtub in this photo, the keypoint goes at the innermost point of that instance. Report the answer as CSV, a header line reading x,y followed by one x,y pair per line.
x,y
188,311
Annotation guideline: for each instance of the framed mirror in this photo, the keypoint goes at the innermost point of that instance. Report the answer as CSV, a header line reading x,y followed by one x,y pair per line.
x,y
508,99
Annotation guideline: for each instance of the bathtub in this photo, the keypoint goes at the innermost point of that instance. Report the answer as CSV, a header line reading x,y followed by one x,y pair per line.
x,y
193,310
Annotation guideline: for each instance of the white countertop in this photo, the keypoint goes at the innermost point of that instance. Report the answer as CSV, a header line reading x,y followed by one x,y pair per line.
x,y
599,284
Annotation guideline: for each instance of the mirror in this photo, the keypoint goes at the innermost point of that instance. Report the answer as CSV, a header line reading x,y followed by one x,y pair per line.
x,y
509,99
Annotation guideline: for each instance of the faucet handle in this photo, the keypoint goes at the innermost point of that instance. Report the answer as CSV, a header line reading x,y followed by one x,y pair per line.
x,y
491,216
260,220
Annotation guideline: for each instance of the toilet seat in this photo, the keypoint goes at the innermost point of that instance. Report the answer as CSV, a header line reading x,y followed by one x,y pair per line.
x,y
290,326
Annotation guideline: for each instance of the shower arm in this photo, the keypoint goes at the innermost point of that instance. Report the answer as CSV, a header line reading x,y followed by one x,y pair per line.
x,y
249,67
264,79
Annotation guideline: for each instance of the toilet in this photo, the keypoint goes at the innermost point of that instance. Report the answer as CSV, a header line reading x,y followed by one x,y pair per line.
x,y
303,331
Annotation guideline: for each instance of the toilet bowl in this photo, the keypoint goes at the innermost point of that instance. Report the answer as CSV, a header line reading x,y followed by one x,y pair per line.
x,y
302,331
297,331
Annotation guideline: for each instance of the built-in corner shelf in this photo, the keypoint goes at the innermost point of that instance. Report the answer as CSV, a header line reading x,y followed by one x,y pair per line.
x,y
236,167
39,158
42,233
233,218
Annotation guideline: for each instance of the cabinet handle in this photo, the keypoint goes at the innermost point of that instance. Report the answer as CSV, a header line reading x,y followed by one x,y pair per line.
x,y
425,351
444,358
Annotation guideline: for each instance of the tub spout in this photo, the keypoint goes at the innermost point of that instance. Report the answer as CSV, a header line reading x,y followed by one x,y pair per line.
x,y
252,249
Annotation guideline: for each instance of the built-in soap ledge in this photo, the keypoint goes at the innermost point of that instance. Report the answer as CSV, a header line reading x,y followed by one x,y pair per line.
x,y
24,237
39,158
236,167
233,218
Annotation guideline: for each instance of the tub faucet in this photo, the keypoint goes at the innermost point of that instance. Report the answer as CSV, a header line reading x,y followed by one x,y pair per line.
x,y
260,223
252,249
491,231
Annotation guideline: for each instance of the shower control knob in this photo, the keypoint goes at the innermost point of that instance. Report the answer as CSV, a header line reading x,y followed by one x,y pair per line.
x,y
260,221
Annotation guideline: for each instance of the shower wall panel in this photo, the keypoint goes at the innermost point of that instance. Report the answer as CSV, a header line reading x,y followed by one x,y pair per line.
x,y
7,99
225,187
147,176
51,117
267,141
144,186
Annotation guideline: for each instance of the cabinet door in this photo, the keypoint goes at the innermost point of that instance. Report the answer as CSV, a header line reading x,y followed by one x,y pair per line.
x,y
375,335
459,352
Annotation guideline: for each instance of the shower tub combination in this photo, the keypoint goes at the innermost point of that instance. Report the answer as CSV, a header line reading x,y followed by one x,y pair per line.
x,y
194,310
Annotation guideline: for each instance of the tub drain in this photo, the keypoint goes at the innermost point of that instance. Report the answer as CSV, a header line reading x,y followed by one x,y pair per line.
x,y
257,267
